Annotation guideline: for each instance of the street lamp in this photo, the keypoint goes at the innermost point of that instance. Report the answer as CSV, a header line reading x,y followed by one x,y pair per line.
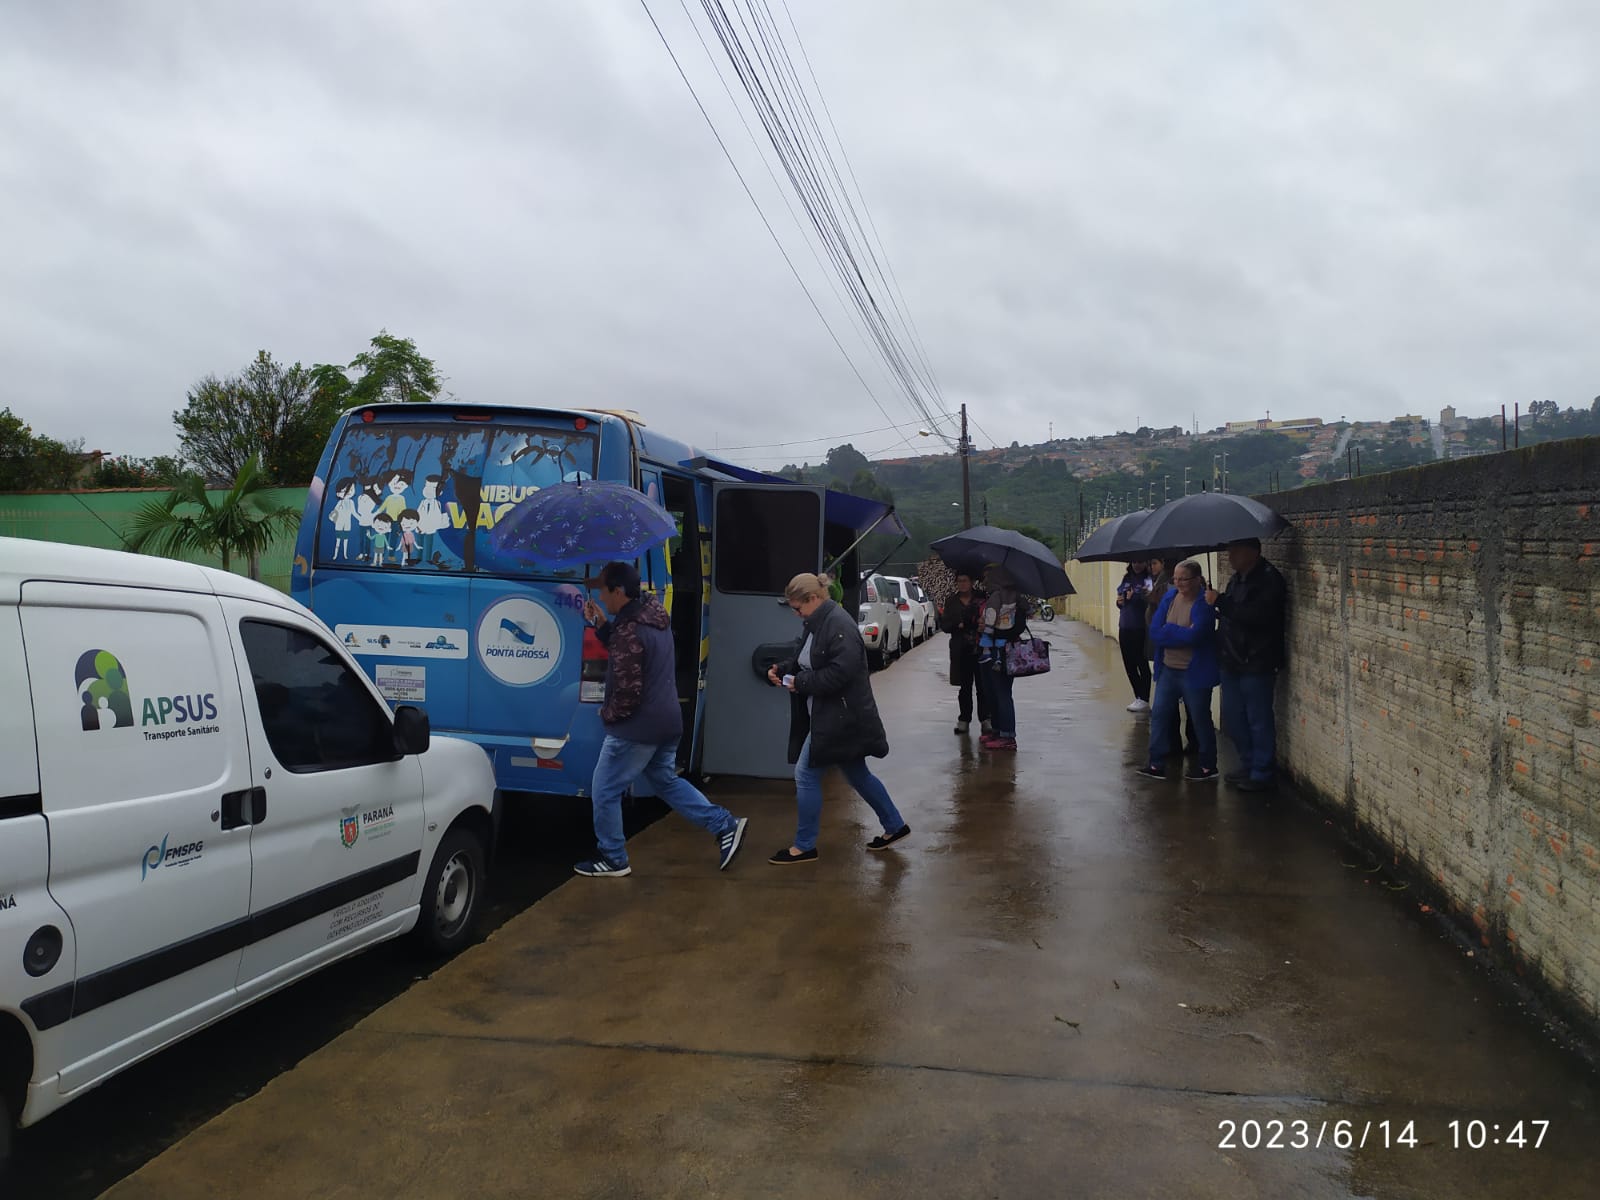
x,y
1186,481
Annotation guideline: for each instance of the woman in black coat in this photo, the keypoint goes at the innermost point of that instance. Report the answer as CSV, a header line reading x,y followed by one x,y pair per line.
x,y
833,719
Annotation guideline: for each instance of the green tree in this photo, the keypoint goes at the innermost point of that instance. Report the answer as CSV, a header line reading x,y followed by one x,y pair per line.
x,y
16,452
243,523
33,462
126,471
845,463
271,413
390,371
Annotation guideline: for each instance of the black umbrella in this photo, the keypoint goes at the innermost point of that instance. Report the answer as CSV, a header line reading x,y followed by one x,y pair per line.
x,y
1109,542
1204,521
1033,566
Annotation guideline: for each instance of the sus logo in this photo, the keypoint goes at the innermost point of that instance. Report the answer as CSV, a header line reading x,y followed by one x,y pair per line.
x,y
103,687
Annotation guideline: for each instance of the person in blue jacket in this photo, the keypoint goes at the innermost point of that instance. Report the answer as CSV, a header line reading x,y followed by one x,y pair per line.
x,y
1184,632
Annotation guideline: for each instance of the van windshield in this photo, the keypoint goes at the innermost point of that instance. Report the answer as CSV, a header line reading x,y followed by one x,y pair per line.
x,y
428,496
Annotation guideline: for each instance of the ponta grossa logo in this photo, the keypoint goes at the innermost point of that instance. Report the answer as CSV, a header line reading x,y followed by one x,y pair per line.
x,y
169,856
108,703
103,687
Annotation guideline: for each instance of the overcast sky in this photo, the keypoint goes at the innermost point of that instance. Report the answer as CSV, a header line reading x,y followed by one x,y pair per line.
x,y
1099,214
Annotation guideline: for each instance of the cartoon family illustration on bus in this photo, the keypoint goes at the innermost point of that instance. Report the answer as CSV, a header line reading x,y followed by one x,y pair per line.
x,y
385,514
395,530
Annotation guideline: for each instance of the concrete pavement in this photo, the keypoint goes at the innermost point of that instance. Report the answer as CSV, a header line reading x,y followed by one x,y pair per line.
x,y
1065,983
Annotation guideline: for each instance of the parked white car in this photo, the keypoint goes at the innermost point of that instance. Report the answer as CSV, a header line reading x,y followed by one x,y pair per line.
x,y
202,800
930,610
914,626
879,622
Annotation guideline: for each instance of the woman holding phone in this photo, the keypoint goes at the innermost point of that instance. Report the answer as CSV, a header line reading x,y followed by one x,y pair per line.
x,y
833,719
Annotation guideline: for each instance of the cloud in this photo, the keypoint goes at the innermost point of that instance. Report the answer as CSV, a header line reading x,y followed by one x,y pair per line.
x,y
1095,211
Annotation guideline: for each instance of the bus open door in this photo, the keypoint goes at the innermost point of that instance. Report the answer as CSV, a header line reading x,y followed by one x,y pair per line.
x,y
763,535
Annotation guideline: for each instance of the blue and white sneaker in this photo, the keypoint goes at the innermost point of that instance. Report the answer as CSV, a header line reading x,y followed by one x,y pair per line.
x,y
728,843
602,868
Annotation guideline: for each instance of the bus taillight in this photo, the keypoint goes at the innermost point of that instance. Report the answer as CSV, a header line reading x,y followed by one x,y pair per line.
x,y
592,682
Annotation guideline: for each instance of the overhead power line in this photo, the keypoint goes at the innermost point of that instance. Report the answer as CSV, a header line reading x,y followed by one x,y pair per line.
x,y
755,47
773,233
832,438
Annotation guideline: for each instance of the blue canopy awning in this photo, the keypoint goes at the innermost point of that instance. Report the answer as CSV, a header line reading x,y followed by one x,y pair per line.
x,y
855,513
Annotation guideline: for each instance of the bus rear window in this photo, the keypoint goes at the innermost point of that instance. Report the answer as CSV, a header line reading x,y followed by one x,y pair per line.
x,y
426,496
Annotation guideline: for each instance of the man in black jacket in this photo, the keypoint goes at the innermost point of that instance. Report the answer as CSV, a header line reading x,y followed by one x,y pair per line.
x,y
961,616
1250,651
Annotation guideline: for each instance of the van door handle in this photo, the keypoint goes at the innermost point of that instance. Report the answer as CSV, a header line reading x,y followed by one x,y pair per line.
x,y
245,807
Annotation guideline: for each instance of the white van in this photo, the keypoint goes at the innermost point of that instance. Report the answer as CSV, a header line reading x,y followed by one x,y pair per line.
x,y
202,799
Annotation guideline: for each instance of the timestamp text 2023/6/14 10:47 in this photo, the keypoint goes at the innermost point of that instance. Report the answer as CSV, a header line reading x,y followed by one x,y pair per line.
x,y
1473,1134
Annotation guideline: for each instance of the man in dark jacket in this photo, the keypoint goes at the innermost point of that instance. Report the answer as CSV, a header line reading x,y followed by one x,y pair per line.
x,y
833,719
961,616
1250,651
643,723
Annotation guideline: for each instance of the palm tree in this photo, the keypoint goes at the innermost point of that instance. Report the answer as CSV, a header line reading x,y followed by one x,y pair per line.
x,y
242,523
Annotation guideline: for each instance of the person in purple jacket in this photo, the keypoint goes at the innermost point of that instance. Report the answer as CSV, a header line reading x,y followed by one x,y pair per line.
x,y
643,724
1185,635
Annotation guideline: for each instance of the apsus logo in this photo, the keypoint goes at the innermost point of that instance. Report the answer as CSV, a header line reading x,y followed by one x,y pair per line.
x,y
107,703
103,687
175,856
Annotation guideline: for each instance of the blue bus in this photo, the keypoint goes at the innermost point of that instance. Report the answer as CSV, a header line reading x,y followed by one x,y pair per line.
x,y
398,554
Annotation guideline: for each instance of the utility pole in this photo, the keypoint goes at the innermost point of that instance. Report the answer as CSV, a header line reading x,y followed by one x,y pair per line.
x,y
986,508
964,448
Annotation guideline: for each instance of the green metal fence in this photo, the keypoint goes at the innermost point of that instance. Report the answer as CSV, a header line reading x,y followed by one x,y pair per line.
x,y
99,518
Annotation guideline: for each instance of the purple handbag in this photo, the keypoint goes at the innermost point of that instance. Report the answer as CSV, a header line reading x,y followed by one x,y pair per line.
x,y
1031,656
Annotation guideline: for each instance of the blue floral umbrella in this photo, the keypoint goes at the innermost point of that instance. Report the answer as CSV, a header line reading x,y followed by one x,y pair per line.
x,y
567,524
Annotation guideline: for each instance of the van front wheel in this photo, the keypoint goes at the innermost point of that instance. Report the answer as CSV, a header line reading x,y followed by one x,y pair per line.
x,y
453,894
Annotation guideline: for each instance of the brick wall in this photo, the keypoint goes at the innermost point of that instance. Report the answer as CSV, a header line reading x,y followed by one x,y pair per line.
x,y
1443,687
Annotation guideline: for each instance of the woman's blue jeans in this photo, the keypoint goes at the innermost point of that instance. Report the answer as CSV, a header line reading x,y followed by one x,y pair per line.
x,y
997,686
1171,686
808,790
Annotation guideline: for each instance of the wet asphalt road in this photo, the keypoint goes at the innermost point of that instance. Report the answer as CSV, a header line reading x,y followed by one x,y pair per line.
x,y
80,1151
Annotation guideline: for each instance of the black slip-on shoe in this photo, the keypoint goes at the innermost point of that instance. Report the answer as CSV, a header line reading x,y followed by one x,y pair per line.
x,y
884,840
1202,774
1151,772
783,858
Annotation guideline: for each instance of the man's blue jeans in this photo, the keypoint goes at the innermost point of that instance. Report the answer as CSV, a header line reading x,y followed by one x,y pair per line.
x,y
1172,686
1247,715
808,789
621,762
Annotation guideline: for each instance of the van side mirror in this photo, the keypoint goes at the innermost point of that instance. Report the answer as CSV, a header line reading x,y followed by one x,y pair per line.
x,y
411,730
